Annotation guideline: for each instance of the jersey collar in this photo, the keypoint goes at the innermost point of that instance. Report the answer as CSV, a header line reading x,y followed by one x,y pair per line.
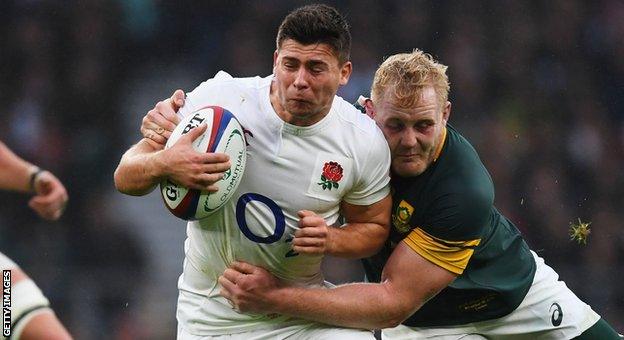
x,y
441,146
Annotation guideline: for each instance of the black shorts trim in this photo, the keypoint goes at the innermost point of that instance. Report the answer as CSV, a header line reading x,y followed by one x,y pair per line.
x,y
23,315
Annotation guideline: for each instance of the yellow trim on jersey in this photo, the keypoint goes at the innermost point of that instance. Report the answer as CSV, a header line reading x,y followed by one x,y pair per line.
x,y
440,146
450,255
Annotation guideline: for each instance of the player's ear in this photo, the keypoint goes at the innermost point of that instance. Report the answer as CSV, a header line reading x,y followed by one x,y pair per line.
x,y
370,108
275,60
446,112
345,72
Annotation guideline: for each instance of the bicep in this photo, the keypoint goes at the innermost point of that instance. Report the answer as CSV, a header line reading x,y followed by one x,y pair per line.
x,y
378,212
365,231
412,279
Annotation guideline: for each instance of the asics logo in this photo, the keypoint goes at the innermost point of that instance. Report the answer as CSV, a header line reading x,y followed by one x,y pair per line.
x,y
556,315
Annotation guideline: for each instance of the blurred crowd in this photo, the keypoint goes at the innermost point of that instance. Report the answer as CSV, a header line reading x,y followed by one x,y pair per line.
x,y
537,86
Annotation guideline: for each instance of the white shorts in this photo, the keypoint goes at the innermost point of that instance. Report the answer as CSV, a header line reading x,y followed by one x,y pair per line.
x,y
196,306
27,300
550,310
295,332
6,263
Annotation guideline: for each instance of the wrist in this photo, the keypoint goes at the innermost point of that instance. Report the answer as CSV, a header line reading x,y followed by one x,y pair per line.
x,y
330,242
35,172
278,300
157,168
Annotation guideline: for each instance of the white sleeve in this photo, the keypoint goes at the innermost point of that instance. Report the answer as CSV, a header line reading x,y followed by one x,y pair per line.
x,y
373,183
207,93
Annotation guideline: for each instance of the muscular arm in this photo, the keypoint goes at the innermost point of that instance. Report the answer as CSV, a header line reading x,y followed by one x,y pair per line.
x,y
409,281
140,169
14,171
364,233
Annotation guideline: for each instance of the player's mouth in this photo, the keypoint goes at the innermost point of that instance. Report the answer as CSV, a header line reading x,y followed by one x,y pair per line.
x,y
408,155
300,101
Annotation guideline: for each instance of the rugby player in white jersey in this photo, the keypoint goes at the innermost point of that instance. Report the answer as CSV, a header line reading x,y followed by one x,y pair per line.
x,y
306,165
31,316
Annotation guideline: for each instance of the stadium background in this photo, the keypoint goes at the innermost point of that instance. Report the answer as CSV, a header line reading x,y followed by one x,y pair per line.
x,y
538,87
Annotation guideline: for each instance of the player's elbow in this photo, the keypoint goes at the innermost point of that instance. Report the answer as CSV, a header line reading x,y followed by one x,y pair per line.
x,y
398,307
395,316
390,323
380,239
120,184
123,185
376,242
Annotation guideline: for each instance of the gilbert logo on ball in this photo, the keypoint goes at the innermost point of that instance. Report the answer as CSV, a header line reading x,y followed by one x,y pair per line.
x,y
224,134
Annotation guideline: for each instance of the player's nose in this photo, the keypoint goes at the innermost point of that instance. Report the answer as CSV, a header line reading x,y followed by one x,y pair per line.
x,y
301,79
409,138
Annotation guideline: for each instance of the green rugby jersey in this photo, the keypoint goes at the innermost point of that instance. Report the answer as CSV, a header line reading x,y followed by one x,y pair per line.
x,y
447,215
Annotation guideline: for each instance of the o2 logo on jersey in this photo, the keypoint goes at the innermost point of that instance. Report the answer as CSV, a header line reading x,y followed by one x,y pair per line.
x,y
278,215
557,314
280,221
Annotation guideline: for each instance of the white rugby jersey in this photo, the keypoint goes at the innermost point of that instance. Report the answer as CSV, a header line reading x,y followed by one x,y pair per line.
x,y
289,168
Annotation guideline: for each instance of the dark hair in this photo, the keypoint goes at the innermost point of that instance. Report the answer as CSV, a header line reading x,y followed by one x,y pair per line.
x,y
317,23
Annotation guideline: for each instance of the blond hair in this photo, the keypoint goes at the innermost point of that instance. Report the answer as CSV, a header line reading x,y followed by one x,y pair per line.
x,y
404,76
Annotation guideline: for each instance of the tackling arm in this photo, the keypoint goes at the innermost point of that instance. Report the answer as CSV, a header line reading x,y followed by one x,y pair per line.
x,y
409,281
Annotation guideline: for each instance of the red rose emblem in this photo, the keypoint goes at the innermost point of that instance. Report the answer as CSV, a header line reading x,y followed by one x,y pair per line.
x,y
332,171
332,174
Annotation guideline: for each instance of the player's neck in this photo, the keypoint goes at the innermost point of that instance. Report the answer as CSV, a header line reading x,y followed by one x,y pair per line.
x,y
290,118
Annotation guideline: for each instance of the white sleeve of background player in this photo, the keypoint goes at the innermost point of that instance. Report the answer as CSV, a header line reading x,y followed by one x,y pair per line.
x,y
373,183
203,95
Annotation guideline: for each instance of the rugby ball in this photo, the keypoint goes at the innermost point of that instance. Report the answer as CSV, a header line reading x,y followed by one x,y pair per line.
x,y
224,134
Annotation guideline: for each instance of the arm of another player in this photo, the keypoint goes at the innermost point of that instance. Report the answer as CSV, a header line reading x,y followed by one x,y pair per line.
x,y
408,281
15,172
363,235
18,175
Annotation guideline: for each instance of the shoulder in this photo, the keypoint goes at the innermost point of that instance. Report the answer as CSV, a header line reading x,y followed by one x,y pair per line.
x,y
361,131
461,168
224,81
461,192
224,90
354,120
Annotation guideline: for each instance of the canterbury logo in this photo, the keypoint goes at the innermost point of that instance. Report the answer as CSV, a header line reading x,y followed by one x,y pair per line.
x,y
556,315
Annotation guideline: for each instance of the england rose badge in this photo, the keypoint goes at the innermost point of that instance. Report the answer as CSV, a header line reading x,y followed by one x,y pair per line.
x,y
332,174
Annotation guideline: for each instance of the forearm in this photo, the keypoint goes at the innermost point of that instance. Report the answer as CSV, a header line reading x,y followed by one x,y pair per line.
x,y
358,305
139,170
356,240
14,171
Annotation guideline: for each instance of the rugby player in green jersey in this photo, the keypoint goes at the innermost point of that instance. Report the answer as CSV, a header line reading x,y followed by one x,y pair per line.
x,y
453,266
